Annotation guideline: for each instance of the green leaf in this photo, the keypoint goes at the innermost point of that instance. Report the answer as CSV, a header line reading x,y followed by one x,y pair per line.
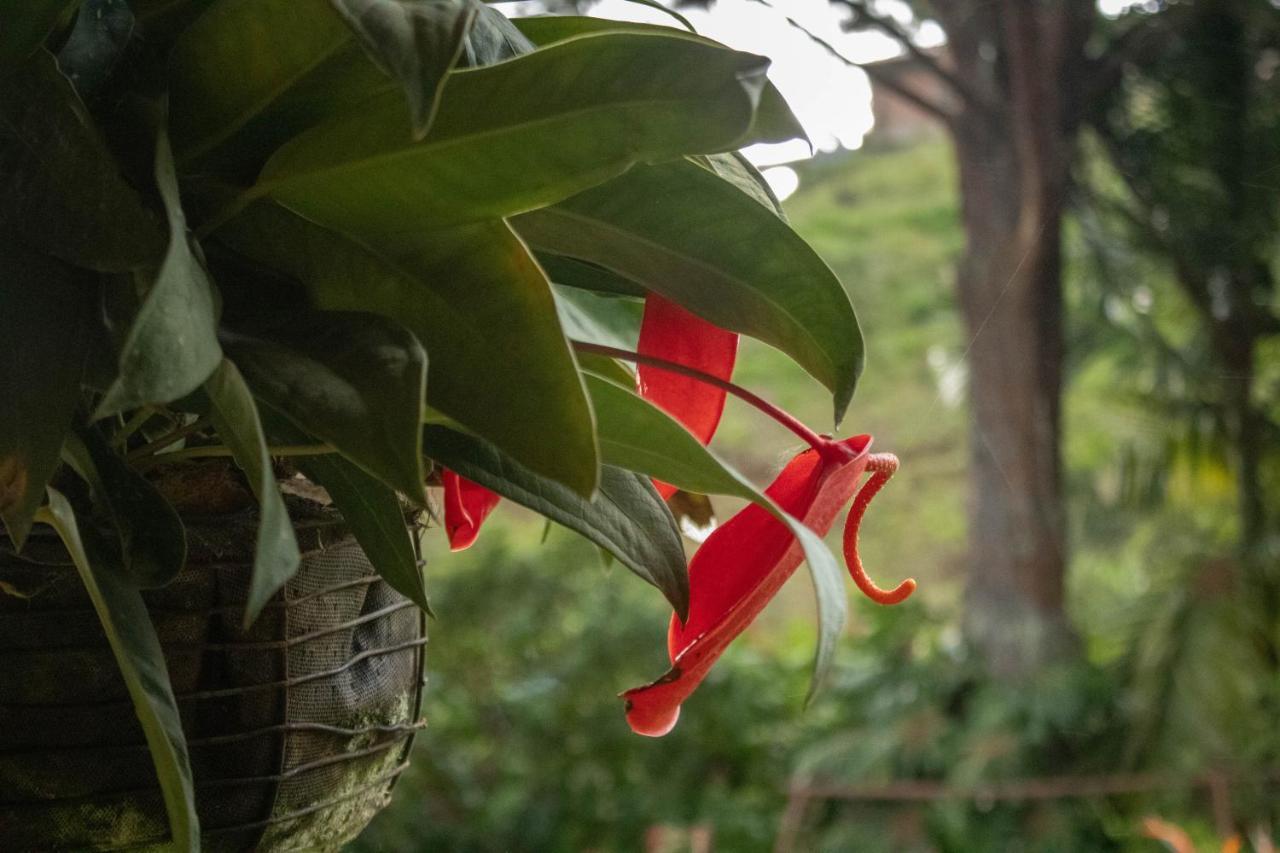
x,y
415,42
27,23
627,517
266,67
584,276
608,320
493,38
518,135
684,232
373,513
774,121
63,192
172,345
737,170
276,557
46,309
640,437
239,89
153,542
354,380
473,296
137,650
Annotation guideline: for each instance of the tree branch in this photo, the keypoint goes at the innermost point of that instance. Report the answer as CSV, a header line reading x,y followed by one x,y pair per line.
x,y
862,14
908,94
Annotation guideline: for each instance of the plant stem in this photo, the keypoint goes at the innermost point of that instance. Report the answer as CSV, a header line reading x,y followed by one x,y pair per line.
x,y
167,439
219,450
817,442
132,425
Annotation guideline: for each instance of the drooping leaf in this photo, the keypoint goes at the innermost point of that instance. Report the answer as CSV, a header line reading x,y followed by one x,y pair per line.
x,y
626,518
235,416
63,192
637,436
610,321
718,253
774,120
152,540
26,24
584,276
415,42
473,296
133,640
172,345
373,513
354,380
518,135
46,308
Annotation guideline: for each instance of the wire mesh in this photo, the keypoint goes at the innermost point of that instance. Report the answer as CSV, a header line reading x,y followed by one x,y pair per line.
x,y
297,727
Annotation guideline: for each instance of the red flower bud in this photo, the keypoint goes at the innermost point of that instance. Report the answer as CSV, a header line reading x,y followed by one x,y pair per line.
x,y
466,505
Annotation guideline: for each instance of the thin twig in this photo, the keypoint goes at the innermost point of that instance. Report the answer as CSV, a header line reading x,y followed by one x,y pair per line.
x,y
891,28
869,68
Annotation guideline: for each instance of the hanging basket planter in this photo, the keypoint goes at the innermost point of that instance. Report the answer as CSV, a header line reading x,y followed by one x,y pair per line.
x,y
297,727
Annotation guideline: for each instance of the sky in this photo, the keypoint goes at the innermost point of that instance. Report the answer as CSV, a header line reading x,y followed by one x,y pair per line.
x,y
831,99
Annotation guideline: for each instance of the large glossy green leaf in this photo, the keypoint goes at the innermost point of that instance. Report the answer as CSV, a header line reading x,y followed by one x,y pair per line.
x,y
697,239
354,380
276,556
261,60
518,135
627,518
416,42
172,345
638,436
239,89
374,515
133,640
63,193
774,120
473,296
25,24
46,308
152,540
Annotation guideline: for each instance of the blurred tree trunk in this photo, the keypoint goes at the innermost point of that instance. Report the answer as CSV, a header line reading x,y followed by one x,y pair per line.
x,y
1012,80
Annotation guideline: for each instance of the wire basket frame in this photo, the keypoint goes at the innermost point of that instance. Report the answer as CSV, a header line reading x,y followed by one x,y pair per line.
x,y
297,727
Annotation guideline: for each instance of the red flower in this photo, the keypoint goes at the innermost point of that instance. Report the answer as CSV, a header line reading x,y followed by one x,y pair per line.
x,y
673,334
466,505
744,563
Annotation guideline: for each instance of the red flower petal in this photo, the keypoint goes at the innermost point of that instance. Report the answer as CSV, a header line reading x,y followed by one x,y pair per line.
x,y
736,572
466,505
672,333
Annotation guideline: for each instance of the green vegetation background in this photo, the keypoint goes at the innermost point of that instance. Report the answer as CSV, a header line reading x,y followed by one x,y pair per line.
x,y
526,746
